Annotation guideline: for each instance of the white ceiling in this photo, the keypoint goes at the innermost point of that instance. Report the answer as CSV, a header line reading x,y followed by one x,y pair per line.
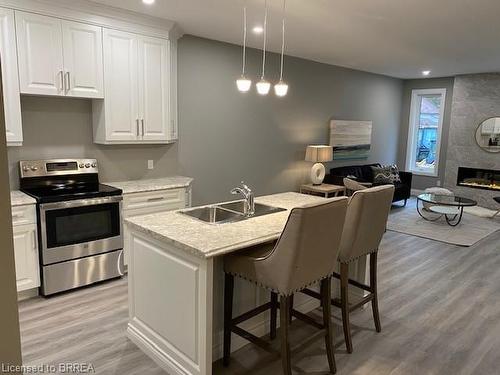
x,y
399,38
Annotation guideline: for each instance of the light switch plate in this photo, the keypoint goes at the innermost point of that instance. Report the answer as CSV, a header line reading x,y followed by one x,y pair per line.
x,y
151,164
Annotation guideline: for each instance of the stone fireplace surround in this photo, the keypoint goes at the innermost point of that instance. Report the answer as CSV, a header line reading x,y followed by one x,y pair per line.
x,y
475,98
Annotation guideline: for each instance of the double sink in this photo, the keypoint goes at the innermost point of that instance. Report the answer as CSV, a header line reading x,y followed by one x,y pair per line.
x,y
229,212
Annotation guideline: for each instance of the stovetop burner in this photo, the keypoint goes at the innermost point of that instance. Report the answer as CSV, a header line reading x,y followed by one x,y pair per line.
x,y
63,180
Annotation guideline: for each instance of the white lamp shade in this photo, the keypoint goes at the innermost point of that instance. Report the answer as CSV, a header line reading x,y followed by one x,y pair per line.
x,y
263,87
281,88
319,153
243,84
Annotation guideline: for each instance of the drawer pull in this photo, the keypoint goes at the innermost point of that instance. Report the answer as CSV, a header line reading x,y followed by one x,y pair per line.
x,y
156,199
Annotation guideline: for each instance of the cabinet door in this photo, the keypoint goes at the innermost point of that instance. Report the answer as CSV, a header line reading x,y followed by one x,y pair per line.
x,y
40,54
10,78
82,51
26,257
173,130
120,86
154,88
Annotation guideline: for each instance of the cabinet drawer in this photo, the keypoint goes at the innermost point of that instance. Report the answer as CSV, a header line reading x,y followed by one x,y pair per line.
x,y
149,202
23,215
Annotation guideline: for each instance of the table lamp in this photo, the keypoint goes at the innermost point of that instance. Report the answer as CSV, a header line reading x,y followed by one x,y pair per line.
x,y
318,154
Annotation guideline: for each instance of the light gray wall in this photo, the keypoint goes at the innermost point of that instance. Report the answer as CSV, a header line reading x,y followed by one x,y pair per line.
x,y
422,182
226,136
62,127
476,97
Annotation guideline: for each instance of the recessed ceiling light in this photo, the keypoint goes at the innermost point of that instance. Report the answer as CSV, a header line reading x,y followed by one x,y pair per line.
x,y
426,72
258,29
149,2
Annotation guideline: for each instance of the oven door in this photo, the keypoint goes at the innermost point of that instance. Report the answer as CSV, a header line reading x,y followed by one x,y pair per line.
x,y
79,228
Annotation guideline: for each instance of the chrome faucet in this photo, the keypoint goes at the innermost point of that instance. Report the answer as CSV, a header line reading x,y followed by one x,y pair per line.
x,y
249,208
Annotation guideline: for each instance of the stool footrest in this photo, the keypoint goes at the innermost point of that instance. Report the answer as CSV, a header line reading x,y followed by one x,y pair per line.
x,y
250,314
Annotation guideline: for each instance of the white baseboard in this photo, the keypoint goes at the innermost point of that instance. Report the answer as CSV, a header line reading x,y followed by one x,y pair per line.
x,y
154,352
27,294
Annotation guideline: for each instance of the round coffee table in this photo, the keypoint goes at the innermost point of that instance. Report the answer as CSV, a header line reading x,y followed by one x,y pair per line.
x,y
451,207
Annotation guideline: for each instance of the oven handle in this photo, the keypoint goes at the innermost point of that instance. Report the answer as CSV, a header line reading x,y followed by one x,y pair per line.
x,y
80,203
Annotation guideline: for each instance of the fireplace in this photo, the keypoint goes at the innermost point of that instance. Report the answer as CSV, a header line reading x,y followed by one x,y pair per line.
x,y
488,179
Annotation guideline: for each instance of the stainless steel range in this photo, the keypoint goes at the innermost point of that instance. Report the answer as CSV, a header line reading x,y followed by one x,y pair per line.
x,y
79,222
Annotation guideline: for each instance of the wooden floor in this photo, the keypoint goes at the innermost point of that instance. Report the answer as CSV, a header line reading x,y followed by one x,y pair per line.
x,y
439,305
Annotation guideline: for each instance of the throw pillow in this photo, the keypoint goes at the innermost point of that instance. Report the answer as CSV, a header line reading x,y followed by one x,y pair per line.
x,y
386,174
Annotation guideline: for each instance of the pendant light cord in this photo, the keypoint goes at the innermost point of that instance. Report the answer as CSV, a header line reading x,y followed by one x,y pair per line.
x,y
265,38
244,38
282,41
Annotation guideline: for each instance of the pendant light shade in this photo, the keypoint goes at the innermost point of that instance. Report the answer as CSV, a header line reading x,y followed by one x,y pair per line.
x,y
263,87
243,83
281,88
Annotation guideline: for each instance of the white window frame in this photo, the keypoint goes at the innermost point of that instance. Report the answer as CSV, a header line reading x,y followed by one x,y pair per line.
x,y
413,131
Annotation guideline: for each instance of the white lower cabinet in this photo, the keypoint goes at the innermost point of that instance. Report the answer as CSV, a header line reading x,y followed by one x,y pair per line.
x,y
145,203
26,257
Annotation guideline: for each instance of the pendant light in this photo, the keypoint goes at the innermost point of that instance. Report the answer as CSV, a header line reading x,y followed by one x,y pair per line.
x,y
243,83
281,88
263,86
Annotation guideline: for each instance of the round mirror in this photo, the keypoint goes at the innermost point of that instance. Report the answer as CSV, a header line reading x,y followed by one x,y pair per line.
x,y
488,134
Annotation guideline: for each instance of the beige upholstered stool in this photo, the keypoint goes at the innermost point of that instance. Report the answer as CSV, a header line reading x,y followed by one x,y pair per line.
x,y
364,227
305,253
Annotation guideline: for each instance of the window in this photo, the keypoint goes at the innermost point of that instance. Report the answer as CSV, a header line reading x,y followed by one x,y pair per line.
x,y
424,133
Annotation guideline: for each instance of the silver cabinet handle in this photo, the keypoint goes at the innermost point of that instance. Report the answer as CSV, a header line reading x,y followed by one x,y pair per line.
x,y
61,80
142,122
137,123
155,199
67,82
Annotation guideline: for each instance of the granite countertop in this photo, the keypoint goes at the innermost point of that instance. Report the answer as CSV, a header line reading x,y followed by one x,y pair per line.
x,y
18,198
209,240
153,184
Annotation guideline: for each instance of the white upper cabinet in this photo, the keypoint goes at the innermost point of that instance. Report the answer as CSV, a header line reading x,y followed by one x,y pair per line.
x,y
39,42
118,113
154,88
10,82
59,57
137,103
82,56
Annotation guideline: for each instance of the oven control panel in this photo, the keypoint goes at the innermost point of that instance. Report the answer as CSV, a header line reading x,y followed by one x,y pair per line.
x,y
56,167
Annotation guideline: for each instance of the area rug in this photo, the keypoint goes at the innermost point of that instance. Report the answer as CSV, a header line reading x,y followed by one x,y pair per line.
x,y
472,228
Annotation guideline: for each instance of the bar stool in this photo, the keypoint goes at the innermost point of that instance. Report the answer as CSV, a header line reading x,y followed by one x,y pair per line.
x,y
305,253
364,227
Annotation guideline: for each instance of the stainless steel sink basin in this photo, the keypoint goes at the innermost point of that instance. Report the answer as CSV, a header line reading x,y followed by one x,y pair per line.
x,y
260,209
228,212
213,214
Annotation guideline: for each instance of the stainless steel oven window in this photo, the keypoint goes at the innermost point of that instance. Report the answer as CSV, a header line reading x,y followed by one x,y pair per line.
x,y
100,228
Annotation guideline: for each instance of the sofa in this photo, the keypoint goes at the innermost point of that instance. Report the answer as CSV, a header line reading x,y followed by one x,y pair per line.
x,y
363,173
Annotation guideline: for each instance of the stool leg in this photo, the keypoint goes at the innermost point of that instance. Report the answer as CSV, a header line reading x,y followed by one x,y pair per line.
x,y
373,286
284,327
344,283
291,308
274,313
228,316
326,295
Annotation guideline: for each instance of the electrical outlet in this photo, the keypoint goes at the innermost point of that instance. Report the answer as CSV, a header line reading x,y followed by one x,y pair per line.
x,y
151,164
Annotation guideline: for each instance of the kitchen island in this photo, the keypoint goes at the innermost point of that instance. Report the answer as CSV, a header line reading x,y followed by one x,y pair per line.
x,y
175,282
